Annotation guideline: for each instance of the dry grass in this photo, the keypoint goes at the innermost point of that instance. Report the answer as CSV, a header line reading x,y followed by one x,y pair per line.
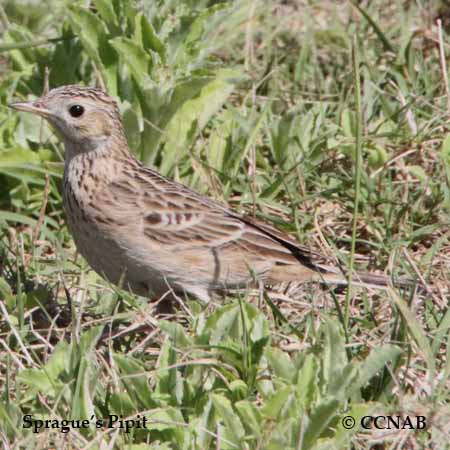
x,y
253,371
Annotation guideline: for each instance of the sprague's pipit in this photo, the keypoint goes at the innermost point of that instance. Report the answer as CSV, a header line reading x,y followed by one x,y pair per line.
x,y
150,234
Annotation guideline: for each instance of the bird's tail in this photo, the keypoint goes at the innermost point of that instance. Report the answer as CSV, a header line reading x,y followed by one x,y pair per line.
x,y
327,274
368,280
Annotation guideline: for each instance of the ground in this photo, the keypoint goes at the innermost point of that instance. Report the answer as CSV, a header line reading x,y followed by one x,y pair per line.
x,y
327,119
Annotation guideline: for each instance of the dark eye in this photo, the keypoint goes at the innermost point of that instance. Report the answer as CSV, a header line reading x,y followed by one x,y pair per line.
x,y
76,110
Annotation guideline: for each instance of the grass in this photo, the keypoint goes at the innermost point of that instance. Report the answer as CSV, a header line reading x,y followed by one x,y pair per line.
x,y
329,119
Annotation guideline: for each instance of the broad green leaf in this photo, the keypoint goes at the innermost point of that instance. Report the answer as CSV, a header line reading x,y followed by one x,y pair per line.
x,y
85,371
134,378
344,436
39,381
159,105
107,13
335,357
130,120
281,364
19,41
176,332
416,331
343,383
250,417
204,423
135,57
280,135
418,172
121,404
31,128
10,416
157,446
166,374
89,339
308,386
91,30
148,36
377,156
348,122
93,34
277,402
375,362
217,143
445,151
240,154
318,421
82,406
259,326
233,425
239,390
222,323
169,420
15,217
26,165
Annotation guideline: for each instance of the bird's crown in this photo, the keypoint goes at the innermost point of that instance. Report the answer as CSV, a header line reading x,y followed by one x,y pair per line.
x,y
84,116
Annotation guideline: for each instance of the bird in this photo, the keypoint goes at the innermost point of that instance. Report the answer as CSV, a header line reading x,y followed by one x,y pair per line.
x,y
151,235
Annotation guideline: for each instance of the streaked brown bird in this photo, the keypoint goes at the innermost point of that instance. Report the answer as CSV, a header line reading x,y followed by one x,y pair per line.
x,y
150,234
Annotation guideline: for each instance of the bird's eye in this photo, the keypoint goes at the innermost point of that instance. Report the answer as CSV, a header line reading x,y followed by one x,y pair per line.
x,y
76,110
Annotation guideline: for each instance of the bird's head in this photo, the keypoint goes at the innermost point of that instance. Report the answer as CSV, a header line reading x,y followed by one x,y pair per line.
x,y
85,117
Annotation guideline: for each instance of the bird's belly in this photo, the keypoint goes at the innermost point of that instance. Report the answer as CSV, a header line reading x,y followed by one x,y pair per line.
x,y
114,260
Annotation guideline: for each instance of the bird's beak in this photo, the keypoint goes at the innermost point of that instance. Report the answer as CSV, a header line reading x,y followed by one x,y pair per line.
x,y
32,107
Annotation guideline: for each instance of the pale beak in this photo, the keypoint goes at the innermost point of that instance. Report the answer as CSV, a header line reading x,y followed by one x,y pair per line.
x,y
32,107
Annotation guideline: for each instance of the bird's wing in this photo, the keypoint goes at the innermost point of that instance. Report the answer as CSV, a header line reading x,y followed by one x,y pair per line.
x,y
174,215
